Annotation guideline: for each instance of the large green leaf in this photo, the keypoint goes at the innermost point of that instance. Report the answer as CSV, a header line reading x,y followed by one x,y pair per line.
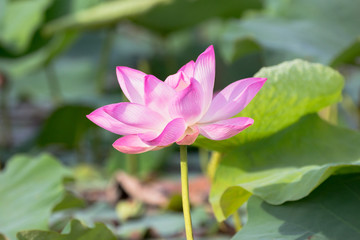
x,y
36,58
75,231
21,20
29,189
106,13
61,8
284,167
348,55
186,13
164,18
66,126
3,4
286,31
165,224
331,212
293,89
69,201
23,48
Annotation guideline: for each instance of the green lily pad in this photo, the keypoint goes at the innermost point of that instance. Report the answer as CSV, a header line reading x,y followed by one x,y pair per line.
x,y
69,201
20,22
106,13
164,224
66,126
321,33
284,167
349,54
74,231
171,17
29,190
163,16
329,213
293,89
36,57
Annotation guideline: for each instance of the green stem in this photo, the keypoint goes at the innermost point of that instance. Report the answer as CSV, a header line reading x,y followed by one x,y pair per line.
x,y
105,58
358,112
237,221
6,139
185,192
330,113
54,84
131,162
96,146
204,159
213,164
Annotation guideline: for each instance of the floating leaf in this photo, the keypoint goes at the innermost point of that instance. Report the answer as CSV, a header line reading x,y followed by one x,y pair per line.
x,y
348,55
329,213
98,212
165,224
66,126
242,47
20,65
160,15
106,13
21,20
284,167
293,89
60,8
76,231
180,14
69,201
29,189
286,31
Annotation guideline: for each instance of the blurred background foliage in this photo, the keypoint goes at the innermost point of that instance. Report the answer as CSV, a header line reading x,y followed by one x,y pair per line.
x,y
57,64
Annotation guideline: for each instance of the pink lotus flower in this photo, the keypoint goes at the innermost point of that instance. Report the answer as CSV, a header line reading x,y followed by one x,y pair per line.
x,y
176,110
